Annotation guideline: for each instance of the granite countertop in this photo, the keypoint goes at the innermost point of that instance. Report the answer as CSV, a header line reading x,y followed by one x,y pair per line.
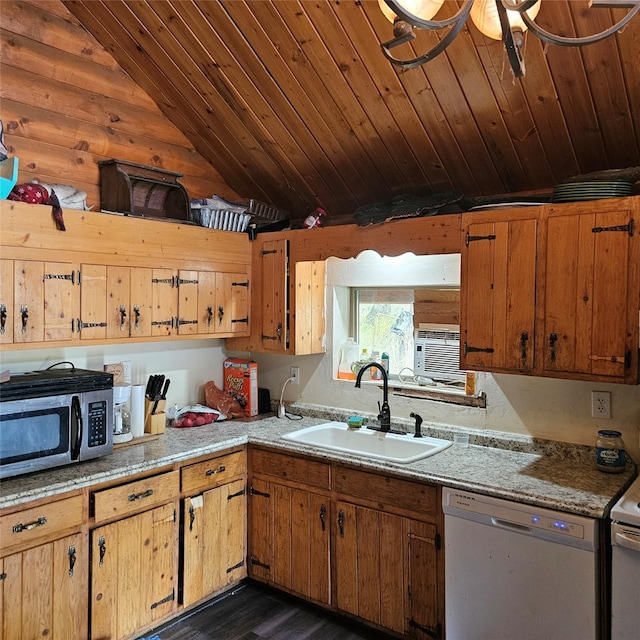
x,y
542,473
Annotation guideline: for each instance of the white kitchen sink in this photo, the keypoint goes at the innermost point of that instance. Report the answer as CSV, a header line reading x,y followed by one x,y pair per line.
x,y
391,447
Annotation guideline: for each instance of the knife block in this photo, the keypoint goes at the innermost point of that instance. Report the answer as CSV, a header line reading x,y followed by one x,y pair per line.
x,y
154,422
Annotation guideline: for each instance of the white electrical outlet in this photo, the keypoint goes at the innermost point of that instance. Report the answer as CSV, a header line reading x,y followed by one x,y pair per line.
x,y
294,373
600,404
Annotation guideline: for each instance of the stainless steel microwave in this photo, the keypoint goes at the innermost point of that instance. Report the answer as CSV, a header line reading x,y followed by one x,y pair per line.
x,y
54,417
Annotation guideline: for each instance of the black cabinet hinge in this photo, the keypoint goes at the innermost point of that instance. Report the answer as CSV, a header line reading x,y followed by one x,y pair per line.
x,y
476,238
432,632
255,492
169,598
619,227
236,495
256,563
467,349
236,566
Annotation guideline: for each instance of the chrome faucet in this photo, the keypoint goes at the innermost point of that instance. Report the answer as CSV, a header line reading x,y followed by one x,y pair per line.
x,y
385,412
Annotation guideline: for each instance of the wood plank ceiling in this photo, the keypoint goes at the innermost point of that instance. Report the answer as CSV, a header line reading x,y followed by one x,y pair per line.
x,y
294,104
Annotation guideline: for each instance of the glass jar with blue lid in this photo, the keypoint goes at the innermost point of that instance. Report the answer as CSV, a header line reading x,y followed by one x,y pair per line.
x,y
610,453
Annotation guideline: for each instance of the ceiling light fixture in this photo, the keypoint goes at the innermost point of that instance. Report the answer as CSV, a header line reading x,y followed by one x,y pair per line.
x,y
505,20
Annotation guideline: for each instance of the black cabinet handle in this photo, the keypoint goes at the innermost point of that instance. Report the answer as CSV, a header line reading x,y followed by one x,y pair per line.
x,y
192,517
524,338
72,560
553,338
102,545
24,313
341,522
323,515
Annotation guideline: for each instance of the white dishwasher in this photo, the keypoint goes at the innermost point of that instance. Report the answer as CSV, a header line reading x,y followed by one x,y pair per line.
x,y
514,571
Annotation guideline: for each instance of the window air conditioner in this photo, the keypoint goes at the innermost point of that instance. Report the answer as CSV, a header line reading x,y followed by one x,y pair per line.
x,y
437,353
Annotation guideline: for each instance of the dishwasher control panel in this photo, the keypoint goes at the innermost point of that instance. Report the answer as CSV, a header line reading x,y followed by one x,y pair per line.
x,y
513,515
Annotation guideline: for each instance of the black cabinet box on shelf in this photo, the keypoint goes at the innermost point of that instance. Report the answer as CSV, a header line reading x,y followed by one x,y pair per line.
x,y
126,187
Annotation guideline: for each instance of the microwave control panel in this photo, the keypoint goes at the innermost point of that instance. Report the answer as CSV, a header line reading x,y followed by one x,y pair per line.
x,y
97,423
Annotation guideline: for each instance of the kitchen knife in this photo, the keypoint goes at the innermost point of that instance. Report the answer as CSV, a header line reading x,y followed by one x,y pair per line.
x,y
167,382
157,391
149,388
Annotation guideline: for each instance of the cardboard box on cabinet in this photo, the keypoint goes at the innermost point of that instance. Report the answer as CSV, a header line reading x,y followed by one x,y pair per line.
x,y
241,381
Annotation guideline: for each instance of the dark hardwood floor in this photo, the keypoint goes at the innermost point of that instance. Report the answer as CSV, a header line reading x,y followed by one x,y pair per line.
x,y
253,612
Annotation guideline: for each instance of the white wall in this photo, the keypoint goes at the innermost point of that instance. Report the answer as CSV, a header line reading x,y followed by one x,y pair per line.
x,y
189,364
540,407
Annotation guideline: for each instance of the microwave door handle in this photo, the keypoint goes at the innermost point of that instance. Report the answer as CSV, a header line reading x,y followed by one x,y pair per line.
x,y
76,427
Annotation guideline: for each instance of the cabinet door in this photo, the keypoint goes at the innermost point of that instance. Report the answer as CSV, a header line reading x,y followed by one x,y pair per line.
x,y
29,301
44,591
118,294
260,530
187,316
140,302
232,299
300,558
498,294
209,315
214,542
7,309
133,566
590,313
275,283
290,539
370,565
425,599
309,326
93,302
164,302
45,301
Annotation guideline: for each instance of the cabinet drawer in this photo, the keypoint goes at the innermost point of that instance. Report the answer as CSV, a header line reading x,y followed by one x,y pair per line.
x,y
386,491
212,473
133,496
286,467
39,524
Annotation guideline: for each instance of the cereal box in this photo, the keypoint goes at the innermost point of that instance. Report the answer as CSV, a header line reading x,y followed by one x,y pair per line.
x,y
241,381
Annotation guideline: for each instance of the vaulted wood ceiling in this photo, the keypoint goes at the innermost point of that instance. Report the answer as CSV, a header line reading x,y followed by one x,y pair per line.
x,y
294,104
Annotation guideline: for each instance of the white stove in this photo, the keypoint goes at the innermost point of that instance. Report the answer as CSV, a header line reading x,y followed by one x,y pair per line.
x,y
627,509
625,565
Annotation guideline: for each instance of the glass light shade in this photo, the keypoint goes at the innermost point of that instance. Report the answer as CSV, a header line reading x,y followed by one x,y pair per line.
x,y
424,9
484,14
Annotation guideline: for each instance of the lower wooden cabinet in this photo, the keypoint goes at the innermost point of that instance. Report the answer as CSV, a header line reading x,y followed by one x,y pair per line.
x,y
289,524
213,541
133,572
369,565
386,570
44,591
365,544
290,539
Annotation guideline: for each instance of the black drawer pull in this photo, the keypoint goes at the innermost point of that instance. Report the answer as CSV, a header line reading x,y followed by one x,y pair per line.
x,y
32,525
138,496
212,472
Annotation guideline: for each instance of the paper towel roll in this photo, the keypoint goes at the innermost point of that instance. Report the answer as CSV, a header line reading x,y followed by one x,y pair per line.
x,y
137,410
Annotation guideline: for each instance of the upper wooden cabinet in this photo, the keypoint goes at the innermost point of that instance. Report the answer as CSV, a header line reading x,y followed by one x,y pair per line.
x,y
288,301
553,291
112,278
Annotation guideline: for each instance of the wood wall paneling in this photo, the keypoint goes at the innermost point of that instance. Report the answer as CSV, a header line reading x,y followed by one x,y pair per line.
x,y
67,104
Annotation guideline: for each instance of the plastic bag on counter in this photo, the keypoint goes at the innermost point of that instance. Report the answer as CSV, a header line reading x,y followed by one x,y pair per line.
x,y
221,400
195,415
